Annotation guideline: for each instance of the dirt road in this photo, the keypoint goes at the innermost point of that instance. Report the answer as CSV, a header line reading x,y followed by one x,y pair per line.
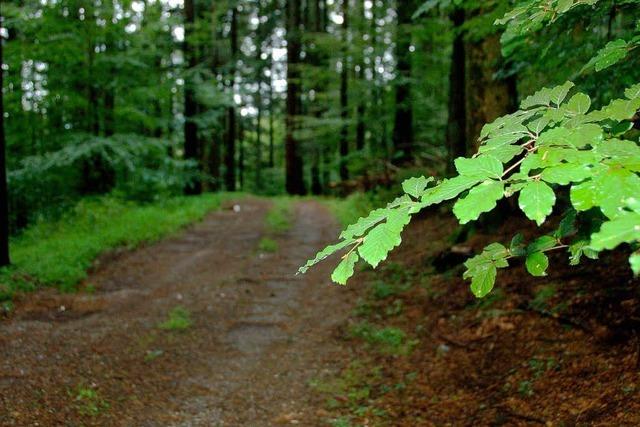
x,y
259,333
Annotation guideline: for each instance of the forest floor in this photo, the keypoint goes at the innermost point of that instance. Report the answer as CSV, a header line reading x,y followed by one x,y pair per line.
x,y
203,329
209,328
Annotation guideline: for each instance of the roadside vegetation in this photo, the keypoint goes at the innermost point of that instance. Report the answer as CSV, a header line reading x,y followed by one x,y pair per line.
x,y
58,253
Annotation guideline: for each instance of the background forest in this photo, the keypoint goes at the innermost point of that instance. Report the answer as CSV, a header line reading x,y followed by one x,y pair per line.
x,y
144,100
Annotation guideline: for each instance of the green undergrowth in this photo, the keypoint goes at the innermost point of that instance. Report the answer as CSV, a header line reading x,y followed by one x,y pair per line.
x,y
179,319
59,253
267,244
347,210
279,219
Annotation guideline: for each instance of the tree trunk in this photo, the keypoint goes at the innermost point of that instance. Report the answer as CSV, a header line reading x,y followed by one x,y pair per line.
x,y
344,94
213,160
241,153
4,194
456,125
487,97
360,109
403,123
230,152
271,114
191,142
293,156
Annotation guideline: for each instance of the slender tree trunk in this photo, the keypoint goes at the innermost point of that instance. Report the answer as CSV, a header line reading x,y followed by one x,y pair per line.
x,y
403,123
361,108
230,152
271,114
316,58
4,194
344,94
241,153
456,125
258,165
293,155
487,97
216,139
191,142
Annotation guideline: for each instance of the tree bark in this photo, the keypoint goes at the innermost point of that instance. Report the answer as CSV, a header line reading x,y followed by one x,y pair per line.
x,y
487,98
293,156
456,124
230,152
361,108
344,94
403,122
4,194
213,160
191,141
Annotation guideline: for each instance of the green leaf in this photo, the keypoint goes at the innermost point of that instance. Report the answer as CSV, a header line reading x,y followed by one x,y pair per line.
x,y
325,253
579,103
365,223
588,134
613,188
481,198
537,264
623,229
559,93
449,188
517,247
633,92
567,224
623,152
536,201
384,237
621,109
344,270
580,248
564,5
566,173
482,268
483,280
583,196
503,153
612,53
481,167
546,96
415,186
542,243
634,261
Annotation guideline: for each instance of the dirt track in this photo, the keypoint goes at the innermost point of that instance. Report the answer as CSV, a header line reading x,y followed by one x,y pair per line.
x,y
259,333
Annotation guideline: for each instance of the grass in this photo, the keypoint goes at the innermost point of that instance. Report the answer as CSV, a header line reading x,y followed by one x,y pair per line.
x,y
268,245
352,391
279,219
59,253
350,209
179,319
389,340
88,402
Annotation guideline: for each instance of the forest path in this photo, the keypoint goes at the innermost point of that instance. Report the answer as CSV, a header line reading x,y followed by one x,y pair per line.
x,y
259,333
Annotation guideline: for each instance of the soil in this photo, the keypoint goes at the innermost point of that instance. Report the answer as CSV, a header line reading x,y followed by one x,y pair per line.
x,y
259,332
269,348
560,350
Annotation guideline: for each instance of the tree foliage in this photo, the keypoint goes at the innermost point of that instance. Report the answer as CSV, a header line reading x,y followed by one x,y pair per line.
x,y
556,143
